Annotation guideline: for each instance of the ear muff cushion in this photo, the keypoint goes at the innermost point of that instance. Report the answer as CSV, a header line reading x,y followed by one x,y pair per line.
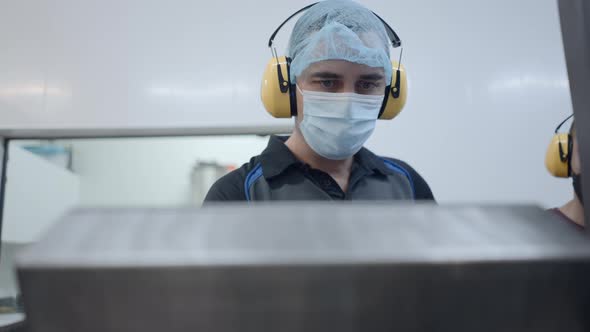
x,y
276,102
393,106
553,161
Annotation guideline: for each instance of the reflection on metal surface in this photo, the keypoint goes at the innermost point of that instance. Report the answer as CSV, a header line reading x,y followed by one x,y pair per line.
x,y
211,92
32,90
13,322
526,81
177,92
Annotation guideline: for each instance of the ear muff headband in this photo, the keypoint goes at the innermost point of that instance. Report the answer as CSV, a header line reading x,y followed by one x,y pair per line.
x,y
559,153
395,40
564,155
277,92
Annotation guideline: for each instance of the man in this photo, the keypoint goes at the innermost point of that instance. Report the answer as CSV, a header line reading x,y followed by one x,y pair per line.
x,y
573,211
340,66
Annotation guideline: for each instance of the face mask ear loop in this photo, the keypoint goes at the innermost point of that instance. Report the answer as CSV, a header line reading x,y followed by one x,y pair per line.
x,y
299,89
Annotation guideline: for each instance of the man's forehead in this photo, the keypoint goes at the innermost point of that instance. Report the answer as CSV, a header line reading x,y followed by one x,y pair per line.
x,y
343,68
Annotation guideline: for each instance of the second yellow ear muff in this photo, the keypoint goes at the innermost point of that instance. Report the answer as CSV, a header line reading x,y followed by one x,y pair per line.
x,y
395,94
559,153
277,92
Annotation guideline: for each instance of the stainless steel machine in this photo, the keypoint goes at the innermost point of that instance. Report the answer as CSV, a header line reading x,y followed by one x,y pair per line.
x,y
301,267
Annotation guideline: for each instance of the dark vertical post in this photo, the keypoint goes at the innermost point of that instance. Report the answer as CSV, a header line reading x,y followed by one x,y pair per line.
x,y
575,29
3,167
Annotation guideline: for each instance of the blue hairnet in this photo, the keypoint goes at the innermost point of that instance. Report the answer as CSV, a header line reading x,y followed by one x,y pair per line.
x,y
339,30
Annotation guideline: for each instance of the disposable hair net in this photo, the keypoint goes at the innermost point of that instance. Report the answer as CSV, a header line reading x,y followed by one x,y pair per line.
x,y
339,30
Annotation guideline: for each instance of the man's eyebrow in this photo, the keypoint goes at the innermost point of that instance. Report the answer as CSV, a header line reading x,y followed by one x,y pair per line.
x,y
372,77
326,74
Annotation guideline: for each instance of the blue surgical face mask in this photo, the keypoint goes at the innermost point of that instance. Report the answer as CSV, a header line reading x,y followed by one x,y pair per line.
x,y
336,125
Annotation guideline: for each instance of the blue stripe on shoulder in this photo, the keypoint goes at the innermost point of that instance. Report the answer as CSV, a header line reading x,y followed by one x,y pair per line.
x,y
399,169
252,176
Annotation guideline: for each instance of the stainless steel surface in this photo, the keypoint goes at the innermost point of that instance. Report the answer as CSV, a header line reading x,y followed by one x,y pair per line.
x,y
55,133
10,320
309,268
575,27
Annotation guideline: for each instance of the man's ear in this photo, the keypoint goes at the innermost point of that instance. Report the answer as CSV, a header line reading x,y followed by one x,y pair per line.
x,y
297,120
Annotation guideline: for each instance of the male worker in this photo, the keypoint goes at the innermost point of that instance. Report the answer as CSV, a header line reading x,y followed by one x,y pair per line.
x,y
572,211
339,75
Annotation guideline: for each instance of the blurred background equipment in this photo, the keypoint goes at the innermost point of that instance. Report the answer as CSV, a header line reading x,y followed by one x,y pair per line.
x,y
204,175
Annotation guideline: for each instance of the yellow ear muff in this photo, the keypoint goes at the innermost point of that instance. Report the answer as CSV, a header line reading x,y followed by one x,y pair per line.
x,y
396,98
558,155
275,91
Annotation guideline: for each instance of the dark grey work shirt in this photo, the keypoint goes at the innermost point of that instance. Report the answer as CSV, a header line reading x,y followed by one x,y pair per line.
x,y
277,174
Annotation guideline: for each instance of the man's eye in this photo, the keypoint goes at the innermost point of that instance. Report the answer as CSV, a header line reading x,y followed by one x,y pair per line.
x,y
328,84
368,85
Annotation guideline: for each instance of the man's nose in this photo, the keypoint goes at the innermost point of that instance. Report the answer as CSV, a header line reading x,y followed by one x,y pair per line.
x,y
348,87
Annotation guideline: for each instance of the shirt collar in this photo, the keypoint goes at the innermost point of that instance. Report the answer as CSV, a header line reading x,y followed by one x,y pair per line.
x,y
370,161
277,157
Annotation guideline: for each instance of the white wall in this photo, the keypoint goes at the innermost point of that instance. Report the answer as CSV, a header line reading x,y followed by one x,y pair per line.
x,y
152,171
37,194
488,81
488,85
